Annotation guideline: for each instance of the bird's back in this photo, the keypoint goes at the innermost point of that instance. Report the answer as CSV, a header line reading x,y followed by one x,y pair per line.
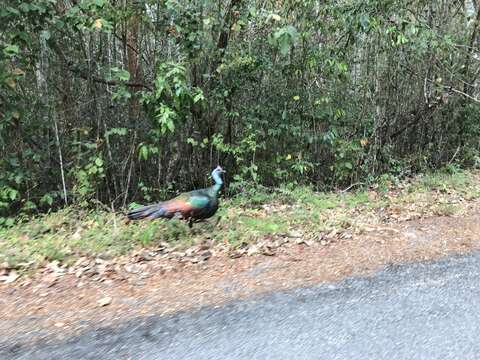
x,y
204,202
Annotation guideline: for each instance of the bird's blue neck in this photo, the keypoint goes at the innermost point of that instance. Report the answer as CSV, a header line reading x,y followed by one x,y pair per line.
x,y
218,183
217,178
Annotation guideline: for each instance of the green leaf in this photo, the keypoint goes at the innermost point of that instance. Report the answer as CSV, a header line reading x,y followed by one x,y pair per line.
x,y
59,24
401,39
45,35
25,7
18,179
120,74
192,142
116,131
198,96
171,126
46,199
11,50
29,205
99,162
143,152
12,194
284,44
292,31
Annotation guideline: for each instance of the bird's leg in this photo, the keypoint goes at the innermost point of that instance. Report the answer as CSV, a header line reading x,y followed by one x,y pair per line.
x,y
177,216
213,223
191,230
210,222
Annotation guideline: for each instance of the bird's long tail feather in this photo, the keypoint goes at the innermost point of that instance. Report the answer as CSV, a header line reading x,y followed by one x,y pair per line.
x,y
151,211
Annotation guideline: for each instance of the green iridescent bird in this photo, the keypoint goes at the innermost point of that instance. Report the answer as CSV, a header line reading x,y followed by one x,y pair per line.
x,y
193,206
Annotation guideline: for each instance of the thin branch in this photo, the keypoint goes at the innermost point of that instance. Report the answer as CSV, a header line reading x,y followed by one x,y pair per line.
x,y
461,93
454,155
111,82
353,185
134,49
60,158
70,67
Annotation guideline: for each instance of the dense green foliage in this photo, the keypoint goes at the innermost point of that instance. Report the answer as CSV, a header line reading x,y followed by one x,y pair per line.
x,y
114,101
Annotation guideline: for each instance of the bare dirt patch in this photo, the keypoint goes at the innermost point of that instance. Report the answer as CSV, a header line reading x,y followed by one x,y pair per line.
x,y
58,306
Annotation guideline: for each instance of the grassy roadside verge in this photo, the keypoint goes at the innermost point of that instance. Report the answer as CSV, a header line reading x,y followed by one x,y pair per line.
x,y
256,216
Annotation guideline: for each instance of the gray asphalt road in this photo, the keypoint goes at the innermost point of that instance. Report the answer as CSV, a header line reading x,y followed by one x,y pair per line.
x,y
418,311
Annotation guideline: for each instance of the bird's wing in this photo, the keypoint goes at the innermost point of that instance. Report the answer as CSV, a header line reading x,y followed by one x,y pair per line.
x,y
198,201
185,205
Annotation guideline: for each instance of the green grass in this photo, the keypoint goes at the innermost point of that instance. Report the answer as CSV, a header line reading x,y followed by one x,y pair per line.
x,y
255,215
460,181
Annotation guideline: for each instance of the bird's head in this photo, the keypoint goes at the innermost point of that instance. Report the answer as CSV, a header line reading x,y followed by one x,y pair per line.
x,y
216,174
218,170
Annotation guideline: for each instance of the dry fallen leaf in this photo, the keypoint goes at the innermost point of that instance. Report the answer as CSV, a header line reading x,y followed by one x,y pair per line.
x,y
205,255
77,234
10,278
98,24
54,266
294,234
26,282
300,241
235,254
18,72
107,300
50,279
11,82
267,251
252,250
